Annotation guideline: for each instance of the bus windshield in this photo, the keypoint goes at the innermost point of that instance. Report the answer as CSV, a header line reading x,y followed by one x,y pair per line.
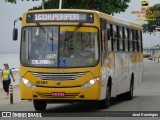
x,y
67,48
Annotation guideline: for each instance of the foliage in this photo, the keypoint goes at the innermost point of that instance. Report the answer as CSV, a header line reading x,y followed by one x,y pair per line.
x,y
106,6
146,56
153,19
157,45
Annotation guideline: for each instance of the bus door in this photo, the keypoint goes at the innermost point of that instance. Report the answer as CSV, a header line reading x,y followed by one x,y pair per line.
x,y
103,56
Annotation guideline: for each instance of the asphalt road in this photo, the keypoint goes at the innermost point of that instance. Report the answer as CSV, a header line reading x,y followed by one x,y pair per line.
x,y
146,98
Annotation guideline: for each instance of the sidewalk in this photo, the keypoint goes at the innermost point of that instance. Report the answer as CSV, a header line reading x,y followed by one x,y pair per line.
x,y
16,97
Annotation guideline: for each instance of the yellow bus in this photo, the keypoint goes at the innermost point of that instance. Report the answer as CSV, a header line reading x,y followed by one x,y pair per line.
x,y
71,55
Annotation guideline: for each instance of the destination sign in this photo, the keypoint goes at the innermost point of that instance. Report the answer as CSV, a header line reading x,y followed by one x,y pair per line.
x,y
60,17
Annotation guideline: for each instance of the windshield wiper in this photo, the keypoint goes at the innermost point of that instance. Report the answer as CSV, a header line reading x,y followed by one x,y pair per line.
x,y
45,32
69,36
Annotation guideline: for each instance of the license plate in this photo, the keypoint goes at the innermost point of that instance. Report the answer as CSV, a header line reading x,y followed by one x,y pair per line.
x,y
58,94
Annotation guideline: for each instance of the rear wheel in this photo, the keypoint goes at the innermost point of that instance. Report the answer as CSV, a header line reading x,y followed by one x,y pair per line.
x,y
39,105
106,102
129,94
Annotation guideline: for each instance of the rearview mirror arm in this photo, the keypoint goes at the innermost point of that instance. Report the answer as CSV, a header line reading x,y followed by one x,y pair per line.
x,y
18,19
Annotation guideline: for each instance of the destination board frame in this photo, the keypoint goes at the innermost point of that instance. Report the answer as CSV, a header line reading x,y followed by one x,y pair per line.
x,y
60,17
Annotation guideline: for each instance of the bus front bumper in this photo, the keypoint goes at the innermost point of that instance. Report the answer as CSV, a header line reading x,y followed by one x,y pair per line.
x,y
69,93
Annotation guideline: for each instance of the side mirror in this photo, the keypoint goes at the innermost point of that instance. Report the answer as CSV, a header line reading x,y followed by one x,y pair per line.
x,y
15,30
15,34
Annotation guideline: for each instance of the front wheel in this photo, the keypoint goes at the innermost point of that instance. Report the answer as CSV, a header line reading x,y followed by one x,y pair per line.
x,y
106,102
39,105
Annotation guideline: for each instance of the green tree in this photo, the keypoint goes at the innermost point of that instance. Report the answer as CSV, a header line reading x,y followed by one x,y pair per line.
x,y
153,19
11,1
106,6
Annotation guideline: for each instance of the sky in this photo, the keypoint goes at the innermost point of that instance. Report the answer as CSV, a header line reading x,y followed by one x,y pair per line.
x,y
9,12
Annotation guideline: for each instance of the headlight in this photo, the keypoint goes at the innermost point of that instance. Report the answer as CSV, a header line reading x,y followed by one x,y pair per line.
x,y
27,83
90,83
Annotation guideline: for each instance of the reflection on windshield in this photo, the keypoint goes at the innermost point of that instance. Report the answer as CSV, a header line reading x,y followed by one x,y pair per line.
x,y
45,31
79,51
70,35
37,48
44,48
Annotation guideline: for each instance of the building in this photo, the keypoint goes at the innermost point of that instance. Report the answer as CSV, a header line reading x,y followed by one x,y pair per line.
x,y
153,51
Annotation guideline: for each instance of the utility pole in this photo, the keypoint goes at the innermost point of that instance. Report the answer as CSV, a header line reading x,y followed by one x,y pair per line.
x,y
42,4
60,4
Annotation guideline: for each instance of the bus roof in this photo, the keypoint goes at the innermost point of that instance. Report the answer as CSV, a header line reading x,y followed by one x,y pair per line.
x,y
119,21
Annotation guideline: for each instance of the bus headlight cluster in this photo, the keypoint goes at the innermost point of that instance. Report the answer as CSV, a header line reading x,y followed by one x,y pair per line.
x,y
90,83
27,83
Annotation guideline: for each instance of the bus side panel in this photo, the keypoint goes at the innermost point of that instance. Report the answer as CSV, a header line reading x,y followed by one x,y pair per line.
x,y
136,70
107,72
104,80
140,68
118,72
111,73
136,60
130,70
125,71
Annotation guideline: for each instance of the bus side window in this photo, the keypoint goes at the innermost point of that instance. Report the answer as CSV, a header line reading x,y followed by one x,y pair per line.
x,y
130,40
114,40
125,39
117,37
128,36
109,37
139,41
133,40
120,40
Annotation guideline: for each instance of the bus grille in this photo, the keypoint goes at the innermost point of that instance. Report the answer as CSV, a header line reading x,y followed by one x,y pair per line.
x,y
49,95
58,76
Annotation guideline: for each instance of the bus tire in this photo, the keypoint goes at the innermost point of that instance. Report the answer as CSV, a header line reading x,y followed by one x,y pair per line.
x,y
39,105
129,94
103,104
